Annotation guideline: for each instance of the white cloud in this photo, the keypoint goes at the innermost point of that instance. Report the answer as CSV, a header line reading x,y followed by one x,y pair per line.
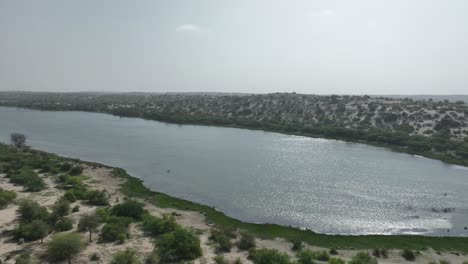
x,y
324,13
191,28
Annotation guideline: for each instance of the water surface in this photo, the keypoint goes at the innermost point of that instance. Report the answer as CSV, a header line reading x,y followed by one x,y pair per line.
x,y
325,185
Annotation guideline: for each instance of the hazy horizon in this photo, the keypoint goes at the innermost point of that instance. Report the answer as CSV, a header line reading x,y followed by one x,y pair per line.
x,y
310,47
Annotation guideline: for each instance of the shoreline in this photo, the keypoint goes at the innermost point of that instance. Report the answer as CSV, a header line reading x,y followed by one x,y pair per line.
x,y
394,148
134,188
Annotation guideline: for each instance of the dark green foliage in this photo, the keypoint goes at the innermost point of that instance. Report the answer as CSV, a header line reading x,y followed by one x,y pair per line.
x,y
64,247
96,197
408,255
363,258
296,245
65,167
220,260
76,170
307,256
115,230
88,223
30,210
6,197
269,256
153,258
35,230
129,208
333,251
157,226
61,208
63,224
336,261
179,245
23,258
380,253
222,240
246,242
28,178
129,256
76,208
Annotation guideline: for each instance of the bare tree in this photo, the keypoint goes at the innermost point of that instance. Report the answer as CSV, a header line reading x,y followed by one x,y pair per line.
x,y
18,140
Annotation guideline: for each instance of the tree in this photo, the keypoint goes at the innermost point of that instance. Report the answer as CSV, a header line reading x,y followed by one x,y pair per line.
x,y
61,208
88,223
182,244
96,197
35,230
18,140
64,247
129,208
30,210
6,197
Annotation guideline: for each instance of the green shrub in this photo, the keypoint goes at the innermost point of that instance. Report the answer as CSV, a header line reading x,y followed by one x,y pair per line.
x,y
336,261
63,224
182,244
333,251
296,245
306,257
238,261
76,208
6,197
65,167
222,240
23,258
269,256
76,170
129,256
29,210
96,197
27,178
129,208
35,230
64,247
220,260
153,258
246,242
61,208
114,231
363,258
408,255
157,226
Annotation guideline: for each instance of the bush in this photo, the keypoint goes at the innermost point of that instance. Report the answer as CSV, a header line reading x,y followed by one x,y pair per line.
x,y
220,260
336,261
30,210
115,230
157,226
76,208
65,167
64,247
24,258
333,251
363,258
296,245
179,245
269,256
35,230
28,178
246,242
64,224
129,256
408,255
129,208
61,208
96,197
76,170
6,197
222,240
308,256
153,258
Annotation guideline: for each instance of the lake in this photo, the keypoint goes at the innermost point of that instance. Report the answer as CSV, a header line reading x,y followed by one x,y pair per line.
x,y
325,185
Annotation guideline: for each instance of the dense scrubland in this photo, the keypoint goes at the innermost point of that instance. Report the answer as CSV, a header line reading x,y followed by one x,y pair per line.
x,y
56,209
430,128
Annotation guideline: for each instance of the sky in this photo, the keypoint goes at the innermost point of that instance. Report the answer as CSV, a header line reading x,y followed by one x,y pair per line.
x,y
248,46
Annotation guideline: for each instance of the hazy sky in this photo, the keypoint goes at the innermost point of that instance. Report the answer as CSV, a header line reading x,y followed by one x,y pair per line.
x,y
325,47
